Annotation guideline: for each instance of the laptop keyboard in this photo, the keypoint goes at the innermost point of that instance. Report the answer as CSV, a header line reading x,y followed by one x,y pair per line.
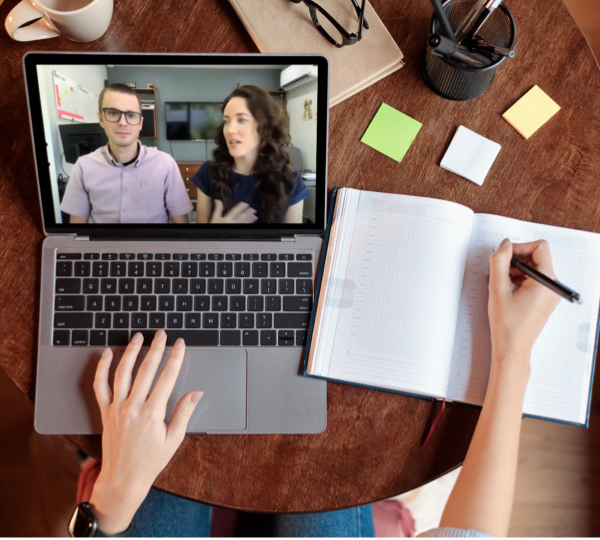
x,y
208,299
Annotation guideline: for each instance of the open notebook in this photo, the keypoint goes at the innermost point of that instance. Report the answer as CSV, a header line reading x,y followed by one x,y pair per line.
x,y
401,303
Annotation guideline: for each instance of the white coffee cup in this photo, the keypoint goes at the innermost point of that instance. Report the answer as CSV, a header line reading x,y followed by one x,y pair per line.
x,y
77,20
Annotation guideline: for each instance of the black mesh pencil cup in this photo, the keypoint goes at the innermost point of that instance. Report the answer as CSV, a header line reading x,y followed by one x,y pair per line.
x,y
456,80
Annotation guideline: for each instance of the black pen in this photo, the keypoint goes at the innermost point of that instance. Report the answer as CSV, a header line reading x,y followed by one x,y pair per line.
x,y
442,46
552,284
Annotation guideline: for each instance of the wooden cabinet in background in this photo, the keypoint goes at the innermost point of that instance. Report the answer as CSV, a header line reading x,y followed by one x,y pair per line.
x,y
187,170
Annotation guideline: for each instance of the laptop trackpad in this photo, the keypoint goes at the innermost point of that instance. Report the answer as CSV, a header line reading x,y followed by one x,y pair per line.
x,y
222,375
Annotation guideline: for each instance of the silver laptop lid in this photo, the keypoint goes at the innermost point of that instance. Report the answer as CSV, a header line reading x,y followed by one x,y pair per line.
x,y
188,111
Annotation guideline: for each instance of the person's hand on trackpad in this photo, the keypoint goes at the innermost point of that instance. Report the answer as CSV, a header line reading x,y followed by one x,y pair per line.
x,y
137,444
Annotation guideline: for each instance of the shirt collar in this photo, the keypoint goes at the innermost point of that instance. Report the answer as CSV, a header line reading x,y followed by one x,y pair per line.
x,y
141,154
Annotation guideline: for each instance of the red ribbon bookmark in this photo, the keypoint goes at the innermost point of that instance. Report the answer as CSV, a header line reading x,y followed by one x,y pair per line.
x,y
434,423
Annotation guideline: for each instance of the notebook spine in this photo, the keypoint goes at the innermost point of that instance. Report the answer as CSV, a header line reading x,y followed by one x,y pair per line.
x,y
237,7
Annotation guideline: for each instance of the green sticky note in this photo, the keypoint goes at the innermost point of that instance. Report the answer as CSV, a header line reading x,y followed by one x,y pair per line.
x,y
391,132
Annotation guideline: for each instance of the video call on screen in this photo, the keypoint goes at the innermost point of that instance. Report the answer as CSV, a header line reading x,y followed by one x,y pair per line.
x,y
154,164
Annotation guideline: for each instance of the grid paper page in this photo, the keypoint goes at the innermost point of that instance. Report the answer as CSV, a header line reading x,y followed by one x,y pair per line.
x,y
393,322
563,354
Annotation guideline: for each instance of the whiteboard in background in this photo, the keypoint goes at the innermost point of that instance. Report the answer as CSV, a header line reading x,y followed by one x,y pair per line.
x,y
73,102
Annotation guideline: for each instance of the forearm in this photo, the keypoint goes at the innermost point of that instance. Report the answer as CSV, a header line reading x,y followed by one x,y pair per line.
x,y
483,495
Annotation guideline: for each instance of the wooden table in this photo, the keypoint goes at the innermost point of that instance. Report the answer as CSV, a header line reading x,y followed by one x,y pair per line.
x,y
372,446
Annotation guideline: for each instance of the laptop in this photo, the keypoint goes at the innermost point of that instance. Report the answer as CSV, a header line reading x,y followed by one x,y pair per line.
x,y
240,294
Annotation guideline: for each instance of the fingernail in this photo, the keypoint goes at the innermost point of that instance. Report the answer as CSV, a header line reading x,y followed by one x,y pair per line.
x,y
137,338
179,343
160,334
197,396
106,352
505,243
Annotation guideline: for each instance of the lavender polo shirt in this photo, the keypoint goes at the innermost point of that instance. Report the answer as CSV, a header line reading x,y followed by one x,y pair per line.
x,y
149,190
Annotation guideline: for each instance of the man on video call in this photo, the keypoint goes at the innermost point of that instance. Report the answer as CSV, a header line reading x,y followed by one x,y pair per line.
x,y
125,181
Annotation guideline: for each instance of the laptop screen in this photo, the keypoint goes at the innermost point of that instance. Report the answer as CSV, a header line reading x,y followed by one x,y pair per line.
x,y
201,143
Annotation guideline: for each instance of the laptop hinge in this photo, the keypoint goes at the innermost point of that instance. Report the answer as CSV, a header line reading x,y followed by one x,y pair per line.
x,y
288,238
82,238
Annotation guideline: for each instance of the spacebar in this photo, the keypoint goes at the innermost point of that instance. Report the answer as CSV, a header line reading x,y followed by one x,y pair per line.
x,y
197,338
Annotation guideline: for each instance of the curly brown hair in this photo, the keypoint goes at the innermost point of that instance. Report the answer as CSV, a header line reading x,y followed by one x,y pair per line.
x,y
273,169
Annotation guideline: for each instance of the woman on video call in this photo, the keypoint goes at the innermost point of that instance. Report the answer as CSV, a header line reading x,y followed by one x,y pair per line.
x,y
250,178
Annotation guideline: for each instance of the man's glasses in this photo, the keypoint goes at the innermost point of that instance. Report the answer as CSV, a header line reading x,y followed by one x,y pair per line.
x,y
114,115
331,30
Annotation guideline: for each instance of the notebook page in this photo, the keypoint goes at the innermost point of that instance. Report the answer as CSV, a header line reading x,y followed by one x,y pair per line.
x,y
562,357
394,294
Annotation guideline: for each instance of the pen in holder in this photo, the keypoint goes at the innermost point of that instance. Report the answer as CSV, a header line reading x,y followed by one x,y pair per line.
x,y
466,74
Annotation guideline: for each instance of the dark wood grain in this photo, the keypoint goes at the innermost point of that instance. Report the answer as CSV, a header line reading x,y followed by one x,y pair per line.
x,y
372,446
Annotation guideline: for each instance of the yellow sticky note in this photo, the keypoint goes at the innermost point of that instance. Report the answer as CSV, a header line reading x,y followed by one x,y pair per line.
x,y
531,112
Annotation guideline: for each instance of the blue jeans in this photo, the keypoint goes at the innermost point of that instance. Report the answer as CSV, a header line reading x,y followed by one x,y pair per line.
x,y
162,514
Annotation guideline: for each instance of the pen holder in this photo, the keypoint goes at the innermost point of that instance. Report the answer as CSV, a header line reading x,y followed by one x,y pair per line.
x,y
454,80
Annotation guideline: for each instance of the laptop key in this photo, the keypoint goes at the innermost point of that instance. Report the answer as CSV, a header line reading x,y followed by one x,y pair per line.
x,y
148,303
233,257
297,303
233,286
250,337
231,338
250,286
82,269
201,303
219,303
98,337
189,269
135,269
64,268
237,303
304,257
192,320
61,337
68,256
250,256
286,338
286,286
112,303
126,285
108,285
242,269
246,320
79,338
255,303
126,256
109,256
264,320
215,256
91,256
69,303
210,320
301,337
198,286
163,256
153,269
131,303
145,256
260,269
120,320
180,256
171,269
228,320
143,286
299,269
268,337
99,269
268,286
292,320
139,320
184,303
166,303
148,336
277,269
207,269
174,320
268,257
304,286
225,269
118,338
94,303
215,286
118,269
68,285
73,320
273,303
157,320
90,285
286,256
198,256
194,338
162,286
103,320
180,286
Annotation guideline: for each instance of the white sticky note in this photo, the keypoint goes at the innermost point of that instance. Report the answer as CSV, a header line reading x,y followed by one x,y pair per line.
x,y
470,155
